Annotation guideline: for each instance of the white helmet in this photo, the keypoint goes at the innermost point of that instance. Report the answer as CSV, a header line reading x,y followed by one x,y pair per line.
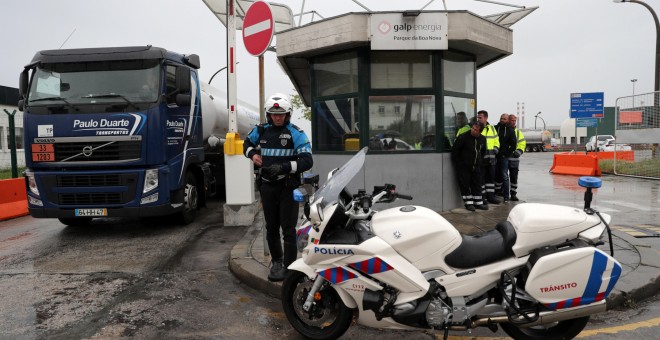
x,y
278,103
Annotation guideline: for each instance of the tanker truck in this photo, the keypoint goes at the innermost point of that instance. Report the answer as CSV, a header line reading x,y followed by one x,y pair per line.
x,y
537,140
122,132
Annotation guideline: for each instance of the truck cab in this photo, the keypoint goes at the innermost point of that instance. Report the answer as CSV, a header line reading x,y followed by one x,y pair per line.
x,y
113,132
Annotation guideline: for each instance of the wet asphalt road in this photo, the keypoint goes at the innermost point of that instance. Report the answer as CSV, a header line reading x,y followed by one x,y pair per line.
x,y
156,279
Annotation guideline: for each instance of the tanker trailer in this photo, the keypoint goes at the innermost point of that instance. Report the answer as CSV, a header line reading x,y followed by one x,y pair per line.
x,y
537,140
121,132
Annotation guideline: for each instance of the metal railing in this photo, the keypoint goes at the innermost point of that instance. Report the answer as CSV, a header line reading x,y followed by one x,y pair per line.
x,y
637,133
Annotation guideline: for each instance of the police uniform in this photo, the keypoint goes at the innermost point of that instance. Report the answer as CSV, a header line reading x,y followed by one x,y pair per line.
x,y
285,153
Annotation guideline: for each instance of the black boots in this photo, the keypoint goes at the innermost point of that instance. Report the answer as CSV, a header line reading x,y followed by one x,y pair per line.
x,y
277,271
278,268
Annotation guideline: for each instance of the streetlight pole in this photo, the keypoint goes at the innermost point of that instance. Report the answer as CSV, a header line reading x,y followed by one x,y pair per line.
x,y
220,70
538,115
657,49
633,81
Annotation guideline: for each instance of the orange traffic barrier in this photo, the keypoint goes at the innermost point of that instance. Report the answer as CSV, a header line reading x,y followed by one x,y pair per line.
x,y
620,155
13,199
575,164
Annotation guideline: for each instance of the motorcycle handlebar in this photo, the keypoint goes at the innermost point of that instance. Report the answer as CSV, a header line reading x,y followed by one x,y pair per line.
x,y
404,197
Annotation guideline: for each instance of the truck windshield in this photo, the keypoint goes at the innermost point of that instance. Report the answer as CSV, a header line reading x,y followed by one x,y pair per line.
x,y
108,82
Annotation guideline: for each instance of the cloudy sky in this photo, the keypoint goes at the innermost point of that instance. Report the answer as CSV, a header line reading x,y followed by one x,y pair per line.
x,y
565,46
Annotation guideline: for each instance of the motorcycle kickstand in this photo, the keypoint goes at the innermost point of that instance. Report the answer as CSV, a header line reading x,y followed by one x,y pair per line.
x,y
446,335
310,296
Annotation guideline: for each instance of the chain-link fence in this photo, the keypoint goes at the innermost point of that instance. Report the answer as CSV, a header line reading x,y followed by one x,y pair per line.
x,y
637,132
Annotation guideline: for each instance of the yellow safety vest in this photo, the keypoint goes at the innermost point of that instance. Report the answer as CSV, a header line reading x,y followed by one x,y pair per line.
x,y
522,144
492,141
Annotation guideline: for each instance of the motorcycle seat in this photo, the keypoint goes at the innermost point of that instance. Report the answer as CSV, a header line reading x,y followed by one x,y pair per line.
x,y
484,248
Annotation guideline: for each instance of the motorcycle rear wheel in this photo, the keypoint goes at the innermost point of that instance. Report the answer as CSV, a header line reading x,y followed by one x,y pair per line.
x,y
329,318
567,329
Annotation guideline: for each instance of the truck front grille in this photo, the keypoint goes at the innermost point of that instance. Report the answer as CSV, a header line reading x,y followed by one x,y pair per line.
x,y
90,199
79,190
89,180
97,151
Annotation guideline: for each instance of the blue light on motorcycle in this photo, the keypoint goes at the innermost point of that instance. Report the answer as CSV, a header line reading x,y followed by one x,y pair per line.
x,y
590,182
298,196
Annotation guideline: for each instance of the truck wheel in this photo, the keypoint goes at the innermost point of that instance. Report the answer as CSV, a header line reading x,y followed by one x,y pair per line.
x,y
527,149
535,148
76,221
190,199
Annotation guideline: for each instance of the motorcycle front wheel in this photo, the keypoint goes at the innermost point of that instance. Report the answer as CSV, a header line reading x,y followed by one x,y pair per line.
x,y
567,329
328,318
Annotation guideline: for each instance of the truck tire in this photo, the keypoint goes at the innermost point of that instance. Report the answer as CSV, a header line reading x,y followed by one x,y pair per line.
x,y
190,199
75,221
526,148
535,148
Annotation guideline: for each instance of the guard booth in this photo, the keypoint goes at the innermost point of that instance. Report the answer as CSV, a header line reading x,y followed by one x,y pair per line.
x,y
393,81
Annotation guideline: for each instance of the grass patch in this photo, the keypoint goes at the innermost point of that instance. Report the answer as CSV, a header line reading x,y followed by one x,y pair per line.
x,y
646,168
6,173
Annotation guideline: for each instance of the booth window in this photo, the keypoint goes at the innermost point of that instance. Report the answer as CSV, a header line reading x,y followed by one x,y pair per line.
x,y
336,74
407,69
453,107
458,73
412,128
336,124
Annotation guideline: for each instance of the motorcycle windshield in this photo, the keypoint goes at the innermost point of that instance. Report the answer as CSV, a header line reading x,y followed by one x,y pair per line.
x,y
330,190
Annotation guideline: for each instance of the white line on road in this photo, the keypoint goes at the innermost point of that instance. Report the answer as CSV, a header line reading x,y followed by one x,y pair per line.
x,y
631,205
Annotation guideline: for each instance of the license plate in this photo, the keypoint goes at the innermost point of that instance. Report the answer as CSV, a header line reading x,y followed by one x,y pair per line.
x,y
92,212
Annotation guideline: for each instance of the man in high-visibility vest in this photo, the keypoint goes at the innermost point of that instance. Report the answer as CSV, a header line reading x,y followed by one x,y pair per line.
x,y
490,162
514,160
461,124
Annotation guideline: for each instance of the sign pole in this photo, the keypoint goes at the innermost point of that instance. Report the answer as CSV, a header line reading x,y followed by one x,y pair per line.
x,y
262,94
231,64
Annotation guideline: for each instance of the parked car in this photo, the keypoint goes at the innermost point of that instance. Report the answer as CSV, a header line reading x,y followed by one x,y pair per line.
x,y
395,144
602,139
611,145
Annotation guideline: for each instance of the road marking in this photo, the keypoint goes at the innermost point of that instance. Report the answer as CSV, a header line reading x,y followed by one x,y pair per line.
x,y
584,334
630,205
616,329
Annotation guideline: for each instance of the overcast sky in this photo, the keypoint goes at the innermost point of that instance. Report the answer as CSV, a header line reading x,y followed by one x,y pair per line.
x,y
565,46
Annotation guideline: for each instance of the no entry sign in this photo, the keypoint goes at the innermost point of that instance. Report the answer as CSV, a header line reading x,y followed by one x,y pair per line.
x,y
258,28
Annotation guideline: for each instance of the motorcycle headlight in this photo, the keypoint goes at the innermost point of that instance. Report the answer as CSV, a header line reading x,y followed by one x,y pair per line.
x,y
150,180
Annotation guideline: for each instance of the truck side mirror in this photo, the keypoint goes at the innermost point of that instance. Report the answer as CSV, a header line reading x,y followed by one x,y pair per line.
x,y
23,83
182,99
21,105
183,79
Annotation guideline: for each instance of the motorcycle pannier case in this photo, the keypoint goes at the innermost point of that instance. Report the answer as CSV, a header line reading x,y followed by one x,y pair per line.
x,y
571,276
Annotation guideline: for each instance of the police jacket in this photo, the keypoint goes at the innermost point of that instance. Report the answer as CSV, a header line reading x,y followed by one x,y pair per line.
x,y
468,151
280,145
508,141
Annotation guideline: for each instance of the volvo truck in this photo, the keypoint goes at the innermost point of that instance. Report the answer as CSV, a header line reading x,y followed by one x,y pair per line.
x,y
122,132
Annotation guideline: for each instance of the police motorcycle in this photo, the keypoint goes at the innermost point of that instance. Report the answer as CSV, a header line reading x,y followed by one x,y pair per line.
x,y
538,275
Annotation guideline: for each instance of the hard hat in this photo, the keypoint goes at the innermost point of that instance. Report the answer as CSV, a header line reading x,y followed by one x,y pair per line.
x,y
278,103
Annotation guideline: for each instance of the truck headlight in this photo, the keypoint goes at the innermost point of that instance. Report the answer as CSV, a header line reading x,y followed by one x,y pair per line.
x,y
150,180
32,183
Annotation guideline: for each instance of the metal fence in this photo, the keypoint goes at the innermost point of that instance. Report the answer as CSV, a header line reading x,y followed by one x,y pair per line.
x,y
637,133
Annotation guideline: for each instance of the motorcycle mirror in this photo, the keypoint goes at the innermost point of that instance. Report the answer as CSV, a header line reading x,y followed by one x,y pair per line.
x,y
316,213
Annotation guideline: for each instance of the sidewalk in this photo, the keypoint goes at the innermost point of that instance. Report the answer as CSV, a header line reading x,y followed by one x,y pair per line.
x,y
639,257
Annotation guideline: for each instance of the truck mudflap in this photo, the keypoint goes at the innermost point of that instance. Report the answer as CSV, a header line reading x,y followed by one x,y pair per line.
x,y
571,276
156,210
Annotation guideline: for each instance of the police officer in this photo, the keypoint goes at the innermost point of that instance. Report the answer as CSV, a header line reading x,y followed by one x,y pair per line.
x,y
514,160
283,152
492,147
